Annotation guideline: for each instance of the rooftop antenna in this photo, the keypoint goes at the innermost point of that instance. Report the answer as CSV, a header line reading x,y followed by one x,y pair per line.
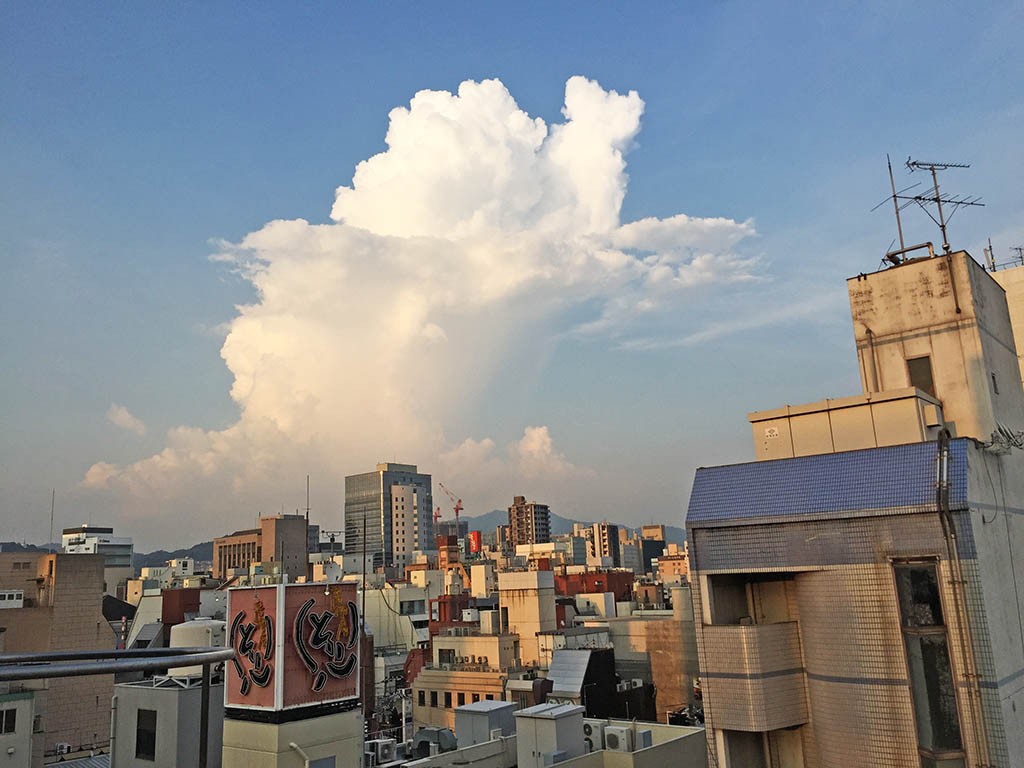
x,y
1020,253
953,202
990,258
895,203
307,500
53,501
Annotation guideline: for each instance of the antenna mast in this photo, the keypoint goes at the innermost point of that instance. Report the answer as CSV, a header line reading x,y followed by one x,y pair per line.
x,y
895,203
953,202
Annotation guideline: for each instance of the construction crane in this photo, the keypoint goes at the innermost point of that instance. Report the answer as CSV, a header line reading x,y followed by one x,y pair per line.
x,y
437,515
456,502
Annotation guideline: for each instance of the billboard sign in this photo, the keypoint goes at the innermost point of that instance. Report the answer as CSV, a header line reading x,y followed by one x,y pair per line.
x,y
295,645
474,542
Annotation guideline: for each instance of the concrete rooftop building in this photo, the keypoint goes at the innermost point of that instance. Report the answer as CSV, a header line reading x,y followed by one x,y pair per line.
x,y
858,589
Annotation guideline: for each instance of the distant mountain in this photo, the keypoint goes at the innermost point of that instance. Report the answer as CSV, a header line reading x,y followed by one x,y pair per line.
x,y
489,521
14,546
202,553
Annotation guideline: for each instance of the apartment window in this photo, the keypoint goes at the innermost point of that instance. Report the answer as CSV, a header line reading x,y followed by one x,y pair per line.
x,y
433,698
422,698
489,696
920,371
476,697
145,735
447,699
461,699
932,687
8,720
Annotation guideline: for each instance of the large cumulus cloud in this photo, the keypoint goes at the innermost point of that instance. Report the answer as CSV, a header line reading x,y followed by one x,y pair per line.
x,y
479,232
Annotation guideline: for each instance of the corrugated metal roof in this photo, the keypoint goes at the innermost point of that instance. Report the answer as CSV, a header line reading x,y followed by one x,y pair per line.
x,y
96,761
897,478
567,671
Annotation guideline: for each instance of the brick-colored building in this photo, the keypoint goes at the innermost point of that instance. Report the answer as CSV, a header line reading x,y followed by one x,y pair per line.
x,y
281,539
62,611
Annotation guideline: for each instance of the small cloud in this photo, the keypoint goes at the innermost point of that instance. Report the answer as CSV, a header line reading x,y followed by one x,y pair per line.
x,y
121,417
536,455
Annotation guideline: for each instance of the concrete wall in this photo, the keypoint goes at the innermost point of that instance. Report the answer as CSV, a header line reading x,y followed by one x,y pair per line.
x,y
910,311
16,747
265,745
528,597
177,720
66,615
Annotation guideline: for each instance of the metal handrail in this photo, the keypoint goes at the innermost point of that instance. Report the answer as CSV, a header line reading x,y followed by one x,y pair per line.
x,y
39,666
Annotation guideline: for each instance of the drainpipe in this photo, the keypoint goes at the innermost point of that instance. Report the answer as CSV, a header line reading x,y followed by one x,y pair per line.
x,y
302,753
113,730
965,636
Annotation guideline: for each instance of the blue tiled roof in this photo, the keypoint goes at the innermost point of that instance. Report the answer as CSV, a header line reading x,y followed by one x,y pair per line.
x,y
898,478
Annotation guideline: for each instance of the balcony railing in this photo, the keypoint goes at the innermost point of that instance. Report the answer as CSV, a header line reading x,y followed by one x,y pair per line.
x,y
753,676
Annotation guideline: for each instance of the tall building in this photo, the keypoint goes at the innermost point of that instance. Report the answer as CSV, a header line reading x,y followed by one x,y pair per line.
x,y
389,515
858,590
606,542
98,540
60,608
281,540
528,522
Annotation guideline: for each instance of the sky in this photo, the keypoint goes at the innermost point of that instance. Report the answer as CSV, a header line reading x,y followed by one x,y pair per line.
x,y
540,249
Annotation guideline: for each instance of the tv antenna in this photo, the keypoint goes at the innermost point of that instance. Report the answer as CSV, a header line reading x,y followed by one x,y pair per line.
x,y
952,202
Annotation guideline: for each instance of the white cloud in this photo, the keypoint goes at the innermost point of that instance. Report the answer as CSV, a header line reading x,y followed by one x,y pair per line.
x,y
471,239
121,417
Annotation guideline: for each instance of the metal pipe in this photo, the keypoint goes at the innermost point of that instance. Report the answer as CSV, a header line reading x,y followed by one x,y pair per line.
x,y
204,717
40,666
301,751
891,255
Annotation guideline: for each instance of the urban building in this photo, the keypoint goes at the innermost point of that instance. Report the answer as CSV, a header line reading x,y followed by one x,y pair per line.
x,y
674,565
61,610
280,540
117,553
528,522
857,589
527,607
606,542
388,515
465,668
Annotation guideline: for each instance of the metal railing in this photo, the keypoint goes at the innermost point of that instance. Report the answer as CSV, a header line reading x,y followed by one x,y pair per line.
x,y
41,666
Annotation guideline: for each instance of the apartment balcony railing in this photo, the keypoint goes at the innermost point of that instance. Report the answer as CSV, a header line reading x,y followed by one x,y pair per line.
x,y
753,676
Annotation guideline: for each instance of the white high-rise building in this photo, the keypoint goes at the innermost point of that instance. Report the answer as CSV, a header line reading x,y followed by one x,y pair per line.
x,y
117,552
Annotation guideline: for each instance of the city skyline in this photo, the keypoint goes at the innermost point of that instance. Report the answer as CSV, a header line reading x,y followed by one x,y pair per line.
x,y
563,273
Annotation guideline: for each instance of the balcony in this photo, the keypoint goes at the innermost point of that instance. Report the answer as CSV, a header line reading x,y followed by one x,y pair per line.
x,y
753,676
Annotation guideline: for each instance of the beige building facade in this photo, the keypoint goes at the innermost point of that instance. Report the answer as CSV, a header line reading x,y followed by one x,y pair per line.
x,y
857,595
62,611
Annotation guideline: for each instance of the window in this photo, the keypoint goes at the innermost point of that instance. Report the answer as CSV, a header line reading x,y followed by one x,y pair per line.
x,y
489,697
145,735
995,384
932,687
433,698
446,655
8,720
422,698
447,699
461,699
920,371
476,697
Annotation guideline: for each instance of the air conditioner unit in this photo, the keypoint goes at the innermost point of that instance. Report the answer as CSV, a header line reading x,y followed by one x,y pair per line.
x,y
638,683
622,687
644,738
593,733
369,759
550,758
386,750
63,748
618,738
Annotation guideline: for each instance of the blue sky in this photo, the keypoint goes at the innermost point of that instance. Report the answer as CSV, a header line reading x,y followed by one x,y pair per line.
x,y
134,140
